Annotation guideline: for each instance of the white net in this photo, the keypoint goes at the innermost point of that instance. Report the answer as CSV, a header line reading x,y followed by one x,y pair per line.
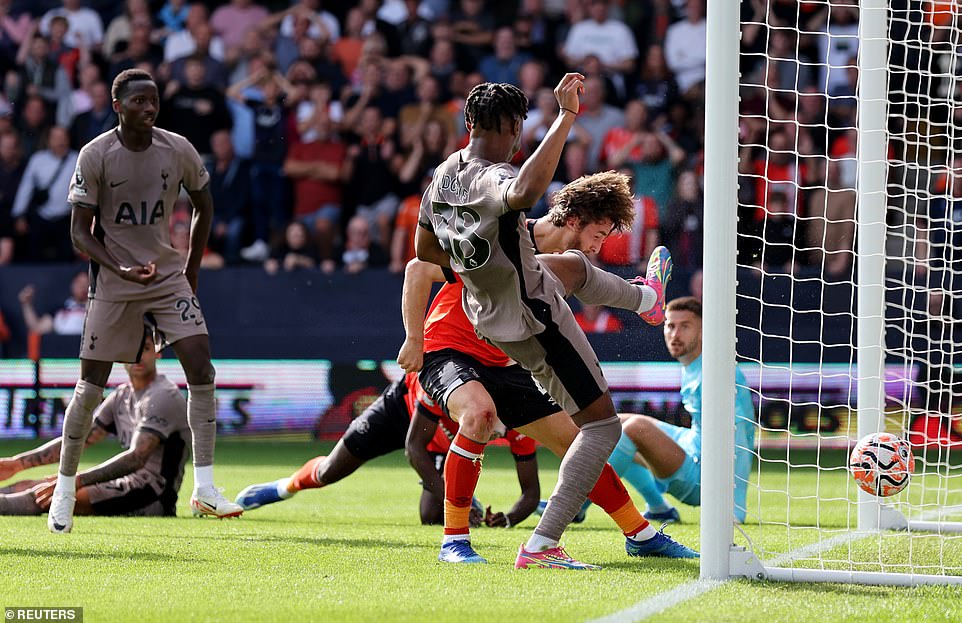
x,y
798,280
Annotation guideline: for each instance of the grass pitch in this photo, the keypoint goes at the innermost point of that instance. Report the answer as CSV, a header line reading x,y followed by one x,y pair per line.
x,y
355,552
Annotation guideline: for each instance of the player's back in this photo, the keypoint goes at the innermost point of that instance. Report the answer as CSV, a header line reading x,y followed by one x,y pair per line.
x,y
508,294
133,193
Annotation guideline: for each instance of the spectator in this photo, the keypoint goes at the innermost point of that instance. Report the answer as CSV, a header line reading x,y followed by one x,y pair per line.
x,y
268,186
173,17
402,241
347,50
370,186
656,87
654,174
472,29
15,26
194,109
831,209
531,77
204,50
65,320
413,118
40,208
505,64
783,236
196,33
792,68
684,224
295,253
837,38
430,149
540,118
33,125
359,251
121,27
238,61
317,171
99,119
319,103
231,22
608,39
597,118
597,319
65,55
140,49
414,31
324,27
696,284
85,26
686,50
81,99
230,182
623,143
535,32
11,173
41,75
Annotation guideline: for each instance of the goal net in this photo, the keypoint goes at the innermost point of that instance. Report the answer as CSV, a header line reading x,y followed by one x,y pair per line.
x,y
848,255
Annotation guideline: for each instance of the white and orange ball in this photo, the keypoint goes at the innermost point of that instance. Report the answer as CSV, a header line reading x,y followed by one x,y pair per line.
x,y
882,464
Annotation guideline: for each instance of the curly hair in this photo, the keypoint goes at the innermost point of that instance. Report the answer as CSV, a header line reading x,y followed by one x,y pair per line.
x,y
489,102
124,78
593,198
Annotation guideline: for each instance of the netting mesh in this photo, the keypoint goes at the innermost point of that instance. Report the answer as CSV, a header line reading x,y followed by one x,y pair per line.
x,y
797,279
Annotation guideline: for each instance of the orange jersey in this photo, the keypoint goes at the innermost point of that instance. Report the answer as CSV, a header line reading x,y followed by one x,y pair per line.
x,y
416,398
447,326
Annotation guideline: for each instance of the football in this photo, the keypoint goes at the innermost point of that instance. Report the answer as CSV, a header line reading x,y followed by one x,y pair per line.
x,y
882,464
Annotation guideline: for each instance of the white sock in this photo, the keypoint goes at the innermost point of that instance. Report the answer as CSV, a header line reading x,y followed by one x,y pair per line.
x,y
203,476
648,298
648,532
451,538
66,485
282,489
538,543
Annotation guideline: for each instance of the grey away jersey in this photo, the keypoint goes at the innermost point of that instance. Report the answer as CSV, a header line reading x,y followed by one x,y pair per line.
x,y
507,294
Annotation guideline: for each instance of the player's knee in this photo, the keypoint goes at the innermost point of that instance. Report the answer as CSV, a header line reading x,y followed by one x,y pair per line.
x,y
478,421
203,374
637,428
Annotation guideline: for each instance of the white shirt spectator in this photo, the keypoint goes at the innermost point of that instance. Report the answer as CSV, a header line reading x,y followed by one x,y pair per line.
x,y
180,44
40,174
84,26
611,41
329,21
685,52
836,49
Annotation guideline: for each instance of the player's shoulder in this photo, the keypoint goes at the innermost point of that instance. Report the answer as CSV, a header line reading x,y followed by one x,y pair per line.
x,y
101,144
165,388
165,139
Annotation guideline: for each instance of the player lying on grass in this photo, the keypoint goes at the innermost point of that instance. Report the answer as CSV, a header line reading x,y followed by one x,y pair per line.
x,y
148,415
656,457
477,383
383,428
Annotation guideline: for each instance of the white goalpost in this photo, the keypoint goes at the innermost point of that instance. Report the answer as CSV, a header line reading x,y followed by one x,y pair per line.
x,y
834,201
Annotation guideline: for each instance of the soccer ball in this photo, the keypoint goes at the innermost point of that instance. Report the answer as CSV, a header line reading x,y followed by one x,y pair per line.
x,y
882,464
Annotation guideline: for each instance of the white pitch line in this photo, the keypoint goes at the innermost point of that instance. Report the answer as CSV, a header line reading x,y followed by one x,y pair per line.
x,y
689,590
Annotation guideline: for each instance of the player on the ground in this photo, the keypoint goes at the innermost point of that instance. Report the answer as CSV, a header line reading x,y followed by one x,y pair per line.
x,y
672,454
148,415
122,195
476,381
384,428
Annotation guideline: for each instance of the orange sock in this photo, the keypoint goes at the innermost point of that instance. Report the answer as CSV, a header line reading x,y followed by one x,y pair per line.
x,y
462,469
306,476
610,494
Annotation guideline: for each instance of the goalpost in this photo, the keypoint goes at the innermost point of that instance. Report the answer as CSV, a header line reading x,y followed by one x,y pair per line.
x,y
830,276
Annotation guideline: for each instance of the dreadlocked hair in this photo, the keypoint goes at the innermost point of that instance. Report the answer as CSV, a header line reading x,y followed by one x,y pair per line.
x,y
489,102
594,198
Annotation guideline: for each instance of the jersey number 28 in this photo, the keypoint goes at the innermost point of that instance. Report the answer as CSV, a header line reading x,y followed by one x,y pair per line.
x,y
457,230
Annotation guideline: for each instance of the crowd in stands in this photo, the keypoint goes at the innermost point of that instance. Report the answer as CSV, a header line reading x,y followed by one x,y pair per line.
x,y
322,121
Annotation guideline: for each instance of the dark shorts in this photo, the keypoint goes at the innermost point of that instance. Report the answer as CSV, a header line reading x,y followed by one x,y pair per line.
x,y
383,426
517,398
131,495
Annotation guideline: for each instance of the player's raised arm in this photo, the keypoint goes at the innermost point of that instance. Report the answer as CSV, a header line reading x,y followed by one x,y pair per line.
x,y
200,224
536,173
418,279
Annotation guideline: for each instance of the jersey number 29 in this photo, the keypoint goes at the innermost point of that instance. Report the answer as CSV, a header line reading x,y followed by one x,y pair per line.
x,y
460,238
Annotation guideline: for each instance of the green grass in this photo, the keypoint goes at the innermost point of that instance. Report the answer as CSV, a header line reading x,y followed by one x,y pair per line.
x,y
355,552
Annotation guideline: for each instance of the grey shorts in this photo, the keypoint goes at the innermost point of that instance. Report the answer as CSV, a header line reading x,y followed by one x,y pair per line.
x,y
560,358
114,330
134,494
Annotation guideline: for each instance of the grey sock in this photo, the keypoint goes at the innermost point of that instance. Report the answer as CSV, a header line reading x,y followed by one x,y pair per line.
x,y
201,416
604,288
76,424
580,469
22,503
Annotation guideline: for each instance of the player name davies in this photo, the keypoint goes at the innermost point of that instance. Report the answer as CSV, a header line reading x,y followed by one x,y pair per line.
x,y
126,212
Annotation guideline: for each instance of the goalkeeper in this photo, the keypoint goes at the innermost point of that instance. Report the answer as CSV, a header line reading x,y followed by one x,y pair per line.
x,y
656,457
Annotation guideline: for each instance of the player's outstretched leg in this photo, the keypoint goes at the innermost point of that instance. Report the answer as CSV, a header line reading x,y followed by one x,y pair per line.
x,y
552,558
462,468
76,425
282,489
